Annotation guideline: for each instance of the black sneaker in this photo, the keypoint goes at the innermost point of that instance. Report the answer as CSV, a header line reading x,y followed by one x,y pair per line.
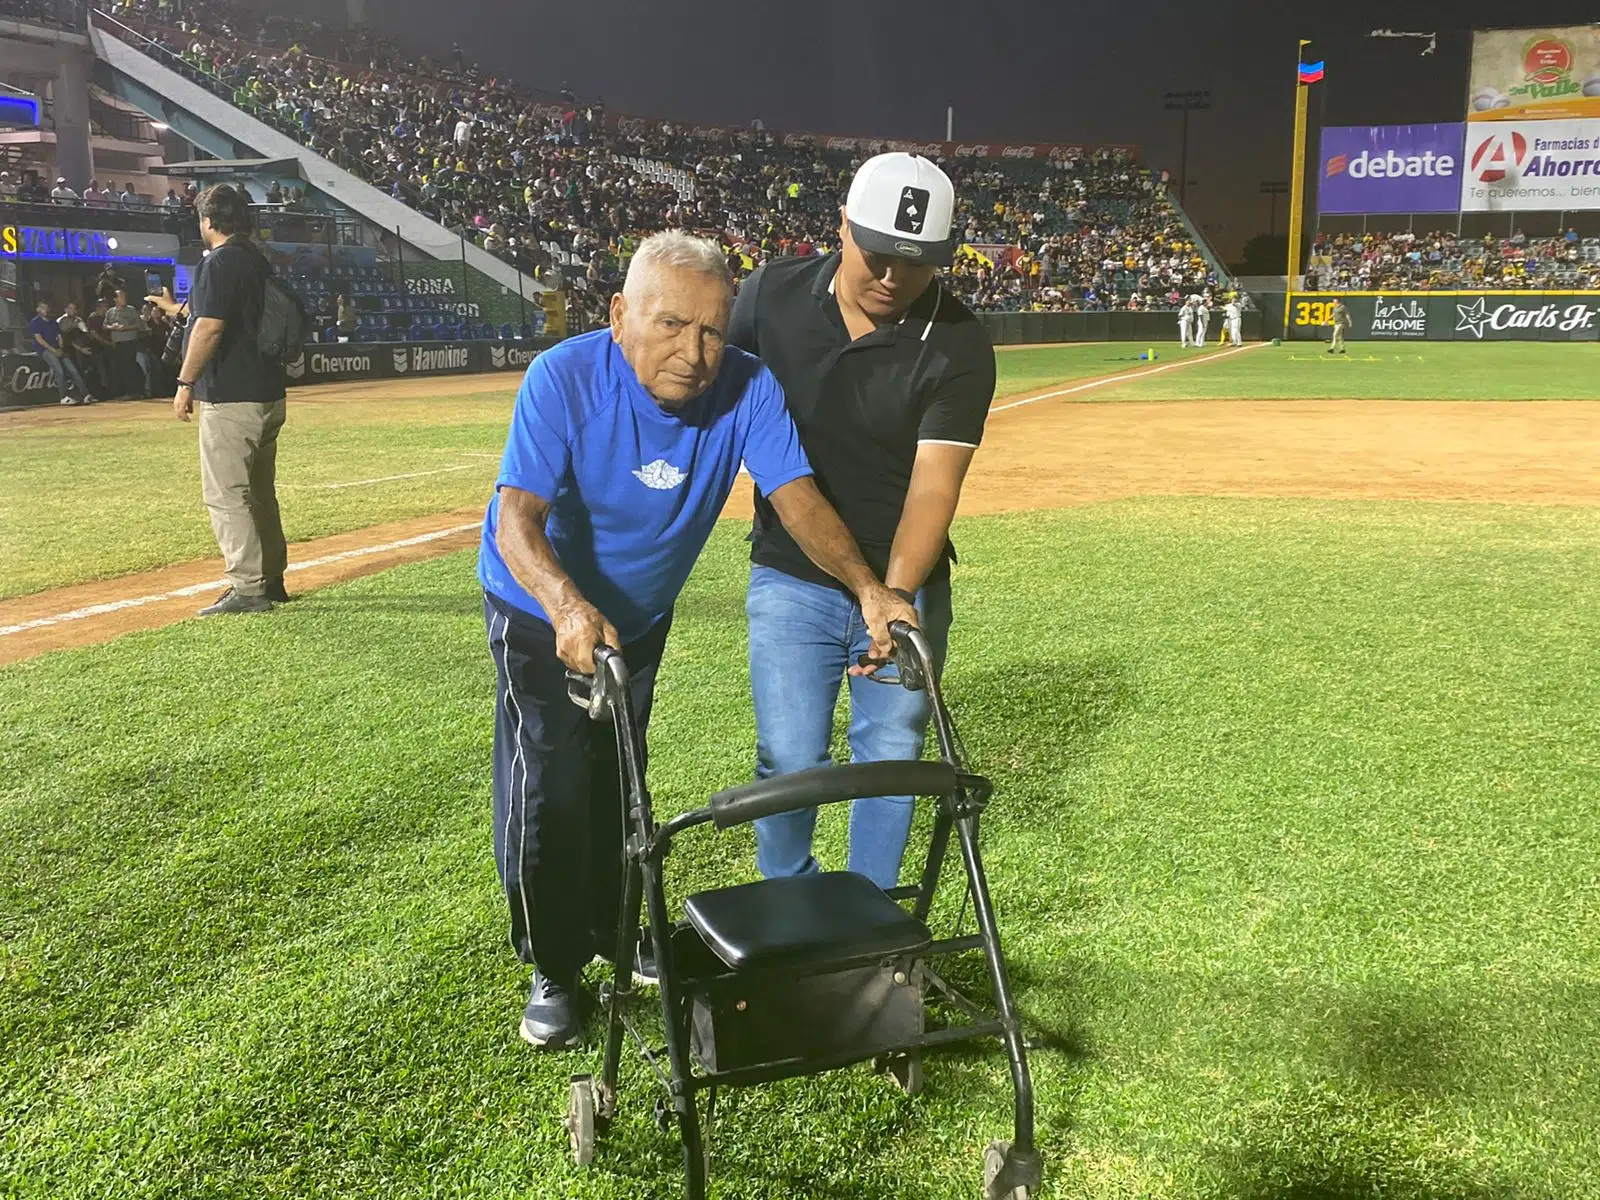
x,y
276,592
232,601
553,1019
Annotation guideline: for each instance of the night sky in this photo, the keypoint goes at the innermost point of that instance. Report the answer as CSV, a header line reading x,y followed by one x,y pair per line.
x,y
1015,70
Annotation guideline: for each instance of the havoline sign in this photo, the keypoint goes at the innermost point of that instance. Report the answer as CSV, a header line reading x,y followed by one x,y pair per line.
x,y
347,361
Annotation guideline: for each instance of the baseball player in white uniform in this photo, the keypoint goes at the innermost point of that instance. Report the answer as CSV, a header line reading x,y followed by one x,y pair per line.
x,y
1202,317
1186,322
1233,318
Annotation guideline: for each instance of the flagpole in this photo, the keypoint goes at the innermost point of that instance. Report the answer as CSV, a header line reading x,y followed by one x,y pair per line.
x,y
1297,184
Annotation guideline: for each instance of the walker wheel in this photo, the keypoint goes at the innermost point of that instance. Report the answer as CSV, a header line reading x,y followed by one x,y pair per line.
x,y
994,1161
906,1071
580,1120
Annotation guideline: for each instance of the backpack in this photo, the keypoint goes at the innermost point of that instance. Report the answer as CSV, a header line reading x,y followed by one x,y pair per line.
x,y
285,324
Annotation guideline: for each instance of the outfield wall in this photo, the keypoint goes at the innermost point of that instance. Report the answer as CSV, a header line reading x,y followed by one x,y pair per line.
x,y
25,380
1028,328
1443,316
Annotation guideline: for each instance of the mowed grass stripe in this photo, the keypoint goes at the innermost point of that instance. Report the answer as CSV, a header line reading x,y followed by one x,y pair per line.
x,y
120,495
115,496
1382,370
1291,848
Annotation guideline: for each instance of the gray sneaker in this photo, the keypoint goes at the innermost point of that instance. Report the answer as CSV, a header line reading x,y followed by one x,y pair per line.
x,y
553,1019
232,601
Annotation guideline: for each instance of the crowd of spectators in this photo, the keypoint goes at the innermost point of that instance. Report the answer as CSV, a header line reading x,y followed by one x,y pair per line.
x,y
1095,233
106,345
1376,262
564,193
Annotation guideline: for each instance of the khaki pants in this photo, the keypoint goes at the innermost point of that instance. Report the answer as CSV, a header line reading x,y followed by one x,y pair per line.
x,y
238,463
1338,339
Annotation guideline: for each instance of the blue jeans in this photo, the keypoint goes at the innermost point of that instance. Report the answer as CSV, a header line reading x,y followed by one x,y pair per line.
x,y
60,367
802,637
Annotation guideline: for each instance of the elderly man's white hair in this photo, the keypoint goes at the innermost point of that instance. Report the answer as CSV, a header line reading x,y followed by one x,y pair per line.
x,y
675,249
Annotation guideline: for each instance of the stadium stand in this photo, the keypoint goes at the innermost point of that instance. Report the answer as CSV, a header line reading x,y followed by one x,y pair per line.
x,y
562,191
1378,262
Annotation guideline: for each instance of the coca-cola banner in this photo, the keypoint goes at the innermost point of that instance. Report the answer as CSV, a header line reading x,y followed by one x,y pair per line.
x,y
1043,151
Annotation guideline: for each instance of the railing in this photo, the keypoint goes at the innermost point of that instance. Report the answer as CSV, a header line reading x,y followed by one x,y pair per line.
x,y
59,14
121,124
75,214
224,90
1224,279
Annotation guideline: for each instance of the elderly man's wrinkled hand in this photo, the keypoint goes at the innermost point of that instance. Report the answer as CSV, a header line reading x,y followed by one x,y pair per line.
x,y
881,607
579,628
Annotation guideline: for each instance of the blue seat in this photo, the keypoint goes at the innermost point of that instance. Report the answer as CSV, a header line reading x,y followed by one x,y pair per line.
x,y
507,332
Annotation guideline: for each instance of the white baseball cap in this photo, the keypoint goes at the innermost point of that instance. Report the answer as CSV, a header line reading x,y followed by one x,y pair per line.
x,y
901,205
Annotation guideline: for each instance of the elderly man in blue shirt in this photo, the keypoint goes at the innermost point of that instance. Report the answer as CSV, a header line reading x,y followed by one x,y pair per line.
x,y
624,446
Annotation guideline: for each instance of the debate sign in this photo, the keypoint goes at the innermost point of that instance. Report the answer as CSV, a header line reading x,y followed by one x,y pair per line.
x,y
1390,168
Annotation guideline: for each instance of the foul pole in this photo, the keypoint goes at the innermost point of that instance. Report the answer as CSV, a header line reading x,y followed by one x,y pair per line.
x,y
1305,75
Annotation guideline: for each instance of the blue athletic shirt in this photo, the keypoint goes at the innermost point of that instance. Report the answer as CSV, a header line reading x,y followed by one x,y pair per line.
x,y
634,489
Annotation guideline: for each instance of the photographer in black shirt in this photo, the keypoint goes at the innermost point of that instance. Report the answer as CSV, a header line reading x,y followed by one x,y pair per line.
x,y
240,395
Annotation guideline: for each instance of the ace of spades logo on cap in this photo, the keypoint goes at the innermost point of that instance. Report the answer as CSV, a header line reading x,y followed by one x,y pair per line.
x,y
902,205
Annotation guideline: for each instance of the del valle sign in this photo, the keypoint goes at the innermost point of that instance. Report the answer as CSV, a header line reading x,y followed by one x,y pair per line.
x,y
1535,74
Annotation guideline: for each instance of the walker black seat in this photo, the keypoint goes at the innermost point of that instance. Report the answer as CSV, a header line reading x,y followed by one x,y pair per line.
x,y
806,924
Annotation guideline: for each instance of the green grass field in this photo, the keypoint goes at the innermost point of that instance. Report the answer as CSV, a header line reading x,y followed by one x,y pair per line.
x,y
111,497
1293,850
59,523
1293,844
1382,371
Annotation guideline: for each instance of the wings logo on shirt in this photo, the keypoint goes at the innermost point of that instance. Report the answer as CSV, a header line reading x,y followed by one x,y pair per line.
x,y
660,475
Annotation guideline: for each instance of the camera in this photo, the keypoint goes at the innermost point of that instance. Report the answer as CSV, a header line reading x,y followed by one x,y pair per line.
x,y
172,352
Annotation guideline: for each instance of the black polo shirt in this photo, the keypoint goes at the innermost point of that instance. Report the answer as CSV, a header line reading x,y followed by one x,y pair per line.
x,y
862,407
231,286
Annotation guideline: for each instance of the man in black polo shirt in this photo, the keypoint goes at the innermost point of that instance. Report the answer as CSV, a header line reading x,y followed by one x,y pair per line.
x,y
241,394
889,379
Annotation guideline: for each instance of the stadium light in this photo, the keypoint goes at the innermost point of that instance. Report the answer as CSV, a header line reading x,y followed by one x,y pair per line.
x,y
1273,188
1195,100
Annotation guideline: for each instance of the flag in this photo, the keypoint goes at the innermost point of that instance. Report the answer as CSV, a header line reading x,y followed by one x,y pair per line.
x,y
1311,72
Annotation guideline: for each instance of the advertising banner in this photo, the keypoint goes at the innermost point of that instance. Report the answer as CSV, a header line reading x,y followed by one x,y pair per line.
x,y
1532,166
1535,74
26,381
1452,316
1390,168
343,362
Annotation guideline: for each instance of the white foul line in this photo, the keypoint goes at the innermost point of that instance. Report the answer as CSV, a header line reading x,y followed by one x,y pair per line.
x,y
194,589
392,478
1094,383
